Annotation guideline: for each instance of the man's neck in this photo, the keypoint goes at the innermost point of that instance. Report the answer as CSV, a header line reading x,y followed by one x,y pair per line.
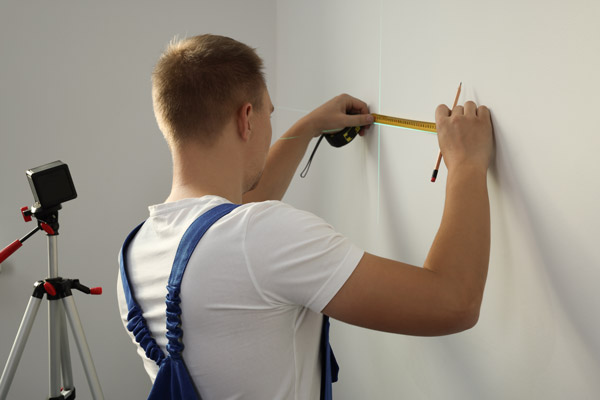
x,y
199,171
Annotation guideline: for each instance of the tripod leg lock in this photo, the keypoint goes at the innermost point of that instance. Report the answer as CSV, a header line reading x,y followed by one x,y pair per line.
x,y
70,395
39,290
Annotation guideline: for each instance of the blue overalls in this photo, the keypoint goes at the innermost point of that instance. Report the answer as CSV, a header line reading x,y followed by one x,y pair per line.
x,y
173,381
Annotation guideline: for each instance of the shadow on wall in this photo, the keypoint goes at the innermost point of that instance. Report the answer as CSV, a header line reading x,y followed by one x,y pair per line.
x,y
514,343
568,265
539,279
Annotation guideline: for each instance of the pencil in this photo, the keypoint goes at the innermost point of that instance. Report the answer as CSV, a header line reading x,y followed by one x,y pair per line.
x,y
439,159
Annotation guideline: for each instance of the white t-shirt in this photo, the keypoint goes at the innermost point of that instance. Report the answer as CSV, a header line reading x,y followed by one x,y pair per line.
x,y
251,295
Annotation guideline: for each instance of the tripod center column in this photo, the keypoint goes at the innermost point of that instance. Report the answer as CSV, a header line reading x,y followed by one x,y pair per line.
x,y
52,256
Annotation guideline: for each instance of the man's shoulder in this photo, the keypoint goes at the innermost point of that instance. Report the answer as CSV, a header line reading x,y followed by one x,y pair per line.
x,y
266,206
275,209
281,222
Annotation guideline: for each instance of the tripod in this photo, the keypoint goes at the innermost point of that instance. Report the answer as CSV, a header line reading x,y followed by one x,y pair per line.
x,y
61,304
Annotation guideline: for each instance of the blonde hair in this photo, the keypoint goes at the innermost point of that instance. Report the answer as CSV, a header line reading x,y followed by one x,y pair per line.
x,y
200,82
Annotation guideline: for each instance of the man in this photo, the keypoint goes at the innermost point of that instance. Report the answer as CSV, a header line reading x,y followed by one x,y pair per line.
x,y
259,281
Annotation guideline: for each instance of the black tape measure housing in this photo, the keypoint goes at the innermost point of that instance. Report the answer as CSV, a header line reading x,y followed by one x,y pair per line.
x,y
342,137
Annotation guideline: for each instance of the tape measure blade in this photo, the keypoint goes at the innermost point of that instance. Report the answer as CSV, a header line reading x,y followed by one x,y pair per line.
x,y
405,123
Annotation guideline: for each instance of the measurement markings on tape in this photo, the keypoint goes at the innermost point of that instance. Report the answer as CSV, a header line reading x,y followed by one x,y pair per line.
x,y
405,123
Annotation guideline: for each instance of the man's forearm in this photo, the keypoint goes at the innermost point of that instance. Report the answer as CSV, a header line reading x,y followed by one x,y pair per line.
x,y
282,161
460,252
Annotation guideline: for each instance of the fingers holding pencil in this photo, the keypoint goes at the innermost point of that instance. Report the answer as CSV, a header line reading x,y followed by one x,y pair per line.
x,y
470,108
439,159
465,135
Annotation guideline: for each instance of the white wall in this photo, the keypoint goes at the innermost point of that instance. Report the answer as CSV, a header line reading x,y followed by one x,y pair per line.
x,y
535,64
75,86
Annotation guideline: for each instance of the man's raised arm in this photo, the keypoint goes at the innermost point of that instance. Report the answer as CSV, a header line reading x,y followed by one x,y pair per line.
x,y
445,295
287,152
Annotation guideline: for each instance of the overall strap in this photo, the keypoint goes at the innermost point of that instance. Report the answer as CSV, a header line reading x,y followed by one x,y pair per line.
x,y
136,323
186,247
123,267
173,381
329,365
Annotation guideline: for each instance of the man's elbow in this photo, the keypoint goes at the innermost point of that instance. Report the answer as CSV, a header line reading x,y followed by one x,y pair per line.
x,y
463,306
465,317
470,319
450,320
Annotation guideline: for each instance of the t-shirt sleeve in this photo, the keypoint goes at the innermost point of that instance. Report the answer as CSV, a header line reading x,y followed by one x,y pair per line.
x,y
296,258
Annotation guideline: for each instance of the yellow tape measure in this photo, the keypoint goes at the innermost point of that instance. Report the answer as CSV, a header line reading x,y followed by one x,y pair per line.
x,y
405,123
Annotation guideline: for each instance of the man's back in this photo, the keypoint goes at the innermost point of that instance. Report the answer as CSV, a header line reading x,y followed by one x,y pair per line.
x,y
267,263
251,294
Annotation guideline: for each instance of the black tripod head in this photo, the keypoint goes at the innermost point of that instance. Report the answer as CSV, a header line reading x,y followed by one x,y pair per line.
x,y
51,185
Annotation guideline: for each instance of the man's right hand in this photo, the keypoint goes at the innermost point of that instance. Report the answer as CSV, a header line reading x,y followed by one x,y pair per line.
x,y
465,135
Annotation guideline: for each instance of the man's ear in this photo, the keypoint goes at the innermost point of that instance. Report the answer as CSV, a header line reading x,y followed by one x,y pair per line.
x,y
244,121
